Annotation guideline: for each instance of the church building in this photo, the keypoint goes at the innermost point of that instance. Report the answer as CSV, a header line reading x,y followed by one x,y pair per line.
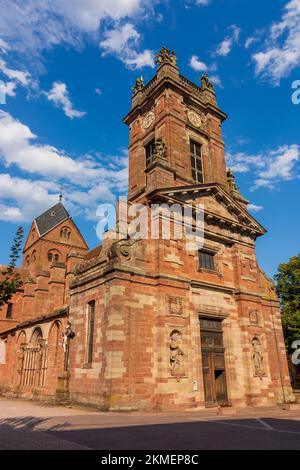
x,y
145,323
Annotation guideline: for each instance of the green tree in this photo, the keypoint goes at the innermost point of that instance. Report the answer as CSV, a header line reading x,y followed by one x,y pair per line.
x,y
11,279
288,290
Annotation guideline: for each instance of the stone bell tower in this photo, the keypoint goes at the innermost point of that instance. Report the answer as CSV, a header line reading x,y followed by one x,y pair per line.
x,y
175,132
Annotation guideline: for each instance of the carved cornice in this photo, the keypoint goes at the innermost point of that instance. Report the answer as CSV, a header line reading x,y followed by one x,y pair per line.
x,y
207,285
188,88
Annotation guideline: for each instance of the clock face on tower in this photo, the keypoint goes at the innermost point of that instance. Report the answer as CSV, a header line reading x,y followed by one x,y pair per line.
x,y
194,118
148,120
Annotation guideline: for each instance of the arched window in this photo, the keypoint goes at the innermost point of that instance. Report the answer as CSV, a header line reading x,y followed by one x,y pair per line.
x,y
53,256
9,311
27,261
33,256
36,337
65,233
54,339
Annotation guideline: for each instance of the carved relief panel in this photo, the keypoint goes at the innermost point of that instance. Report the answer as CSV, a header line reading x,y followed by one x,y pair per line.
x,y
254,317
249,268
175,306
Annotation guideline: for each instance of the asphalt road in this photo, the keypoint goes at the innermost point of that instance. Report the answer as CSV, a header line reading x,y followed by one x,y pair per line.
x,y
26,425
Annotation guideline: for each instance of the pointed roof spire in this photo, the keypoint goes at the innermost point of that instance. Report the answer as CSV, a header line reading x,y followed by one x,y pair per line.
x,y
61,194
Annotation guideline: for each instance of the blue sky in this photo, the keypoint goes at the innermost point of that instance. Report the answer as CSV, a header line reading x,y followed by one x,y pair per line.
x,y
68,66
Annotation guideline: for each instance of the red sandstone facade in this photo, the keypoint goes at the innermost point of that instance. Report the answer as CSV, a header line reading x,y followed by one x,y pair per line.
x,y
156,326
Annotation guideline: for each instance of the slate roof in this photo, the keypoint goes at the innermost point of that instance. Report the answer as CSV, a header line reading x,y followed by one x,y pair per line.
x,y
52,217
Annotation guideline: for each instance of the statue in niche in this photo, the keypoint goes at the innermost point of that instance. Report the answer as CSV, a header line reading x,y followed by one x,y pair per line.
x,y
20,358
257,357
39,357
165,56
176,353
67,336
160,149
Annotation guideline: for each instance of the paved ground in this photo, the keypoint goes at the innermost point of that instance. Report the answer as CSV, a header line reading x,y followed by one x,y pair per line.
x,y
26,425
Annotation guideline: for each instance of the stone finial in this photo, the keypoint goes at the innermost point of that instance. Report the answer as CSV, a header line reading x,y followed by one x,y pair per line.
x,y
160,149
206,82
231,181
165,56
138,86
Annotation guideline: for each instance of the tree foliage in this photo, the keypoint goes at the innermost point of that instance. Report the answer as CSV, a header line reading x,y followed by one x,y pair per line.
x,y
10,279
288,290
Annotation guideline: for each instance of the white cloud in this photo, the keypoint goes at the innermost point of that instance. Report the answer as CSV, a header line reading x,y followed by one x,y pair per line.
x,y
137,60
117,39
87,14
202,2
16,78
122,42
18,147
98,91
254,208
249,41
59,95
242,162
88,181
282,163
4,46
281,50
32,26
17,75
197,65
200,66
8,88
31,197
10,214
225,47
268,168
216,80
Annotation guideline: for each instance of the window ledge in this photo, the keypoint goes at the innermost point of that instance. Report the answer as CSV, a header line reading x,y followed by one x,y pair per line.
x,y
88,365
210,271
